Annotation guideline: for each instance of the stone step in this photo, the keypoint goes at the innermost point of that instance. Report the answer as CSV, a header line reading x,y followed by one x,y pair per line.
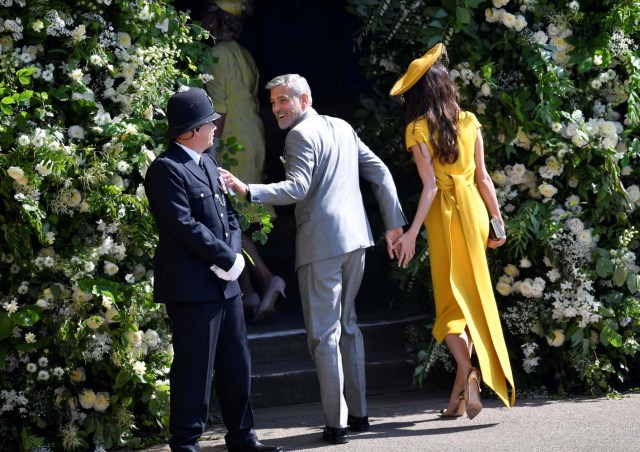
x,y
283,372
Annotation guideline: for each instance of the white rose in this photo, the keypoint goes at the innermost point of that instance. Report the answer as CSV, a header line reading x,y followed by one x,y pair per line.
x,y
585,237
78,375
151,338
525,263
15,172
87,399
101,402
511,270
110,268
94,322
504,288
135,338
526,289
547,190
575,225
76,132
634,193
540,37
110,315
558,338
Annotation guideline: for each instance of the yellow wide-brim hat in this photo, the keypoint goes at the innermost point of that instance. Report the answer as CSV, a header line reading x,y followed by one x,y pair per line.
x,y
417,69
233,7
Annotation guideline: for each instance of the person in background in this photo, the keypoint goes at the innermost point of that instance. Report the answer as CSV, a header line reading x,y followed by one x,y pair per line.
x,y
457,200
196,266
324,160
233,90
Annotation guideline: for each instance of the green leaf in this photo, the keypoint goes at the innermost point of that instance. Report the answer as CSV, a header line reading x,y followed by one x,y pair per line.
x,y
604,267
619,276
124,376
463,15
633,282
26,317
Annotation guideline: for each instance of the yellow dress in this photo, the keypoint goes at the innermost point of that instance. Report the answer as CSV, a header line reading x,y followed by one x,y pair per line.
x,y
457,228
233,91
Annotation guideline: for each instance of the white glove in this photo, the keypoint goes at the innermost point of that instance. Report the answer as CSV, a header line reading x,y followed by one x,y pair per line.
x,y
233,273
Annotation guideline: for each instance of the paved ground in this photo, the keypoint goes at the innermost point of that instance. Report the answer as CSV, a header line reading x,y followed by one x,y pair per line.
x,y
409,422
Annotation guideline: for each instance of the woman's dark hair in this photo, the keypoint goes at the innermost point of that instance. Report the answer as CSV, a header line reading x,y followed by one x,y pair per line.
x,y
229,24
435,98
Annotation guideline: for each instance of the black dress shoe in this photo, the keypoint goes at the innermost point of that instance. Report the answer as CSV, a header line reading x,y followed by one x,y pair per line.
x,y
256,446
358,424
335,435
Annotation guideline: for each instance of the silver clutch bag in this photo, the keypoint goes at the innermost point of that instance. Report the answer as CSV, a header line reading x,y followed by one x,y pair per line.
x,y
496,231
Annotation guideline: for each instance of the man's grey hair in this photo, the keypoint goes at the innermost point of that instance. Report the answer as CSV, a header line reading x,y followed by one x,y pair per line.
x,y
296,83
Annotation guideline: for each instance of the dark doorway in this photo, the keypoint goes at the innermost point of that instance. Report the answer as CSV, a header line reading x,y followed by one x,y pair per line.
x,y
313,38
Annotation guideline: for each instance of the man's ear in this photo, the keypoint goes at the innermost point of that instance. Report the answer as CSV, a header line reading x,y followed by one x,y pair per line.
x,y
304,100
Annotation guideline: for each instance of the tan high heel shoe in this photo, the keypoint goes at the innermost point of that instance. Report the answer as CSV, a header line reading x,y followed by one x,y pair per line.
x,y
444,413
276,286
474,405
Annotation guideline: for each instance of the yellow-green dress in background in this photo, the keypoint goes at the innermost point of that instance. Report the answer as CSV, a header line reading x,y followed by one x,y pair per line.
x,y
457,227
233,91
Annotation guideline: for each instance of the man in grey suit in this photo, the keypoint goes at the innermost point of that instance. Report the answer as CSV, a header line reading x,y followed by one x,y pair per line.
x,y
324,160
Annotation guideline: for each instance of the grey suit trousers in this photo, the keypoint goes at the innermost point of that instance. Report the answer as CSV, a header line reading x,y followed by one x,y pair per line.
x,y
328,290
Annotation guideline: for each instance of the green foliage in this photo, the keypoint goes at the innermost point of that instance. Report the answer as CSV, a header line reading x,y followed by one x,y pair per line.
x,y
84,351
555,86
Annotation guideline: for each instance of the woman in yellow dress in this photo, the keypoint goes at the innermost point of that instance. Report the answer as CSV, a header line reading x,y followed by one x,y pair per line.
x,y
457,200
234,90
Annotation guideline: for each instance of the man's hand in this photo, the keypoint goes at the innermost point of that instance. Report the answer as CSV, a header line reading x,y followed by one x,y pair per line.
x,y
390,237
233,182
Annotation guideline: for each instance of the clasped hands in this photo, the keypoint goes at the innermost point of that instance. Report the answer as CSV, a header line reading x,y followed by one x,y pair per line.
x,y
400,245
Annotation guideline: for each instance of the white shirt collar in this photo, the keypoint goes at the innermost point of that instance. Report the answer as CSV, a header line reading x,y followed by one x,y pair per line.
x,y
193,154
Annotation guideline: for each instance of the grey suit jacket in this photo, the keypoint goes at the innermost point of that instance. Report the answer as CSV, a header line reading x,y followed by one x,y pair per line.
x,y
324,162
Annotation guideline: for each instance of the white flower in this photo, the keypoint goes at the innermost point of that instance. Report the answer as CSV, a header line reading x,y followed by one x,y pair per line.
x,y
43,303
139,367
76,132
43,361
30,338
633,192
525,263
78,375
110,315
597,60
87,399
585,237
558,338
135,338
11,307
540,37
31,367
94,322
575,225
110,268
485,89
163,26
101,402
58,372
547,190
151,338
76,75
15,172
511,270
75,199
123,40
504,288
37,26
574,6
43,375
79,33
44,168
